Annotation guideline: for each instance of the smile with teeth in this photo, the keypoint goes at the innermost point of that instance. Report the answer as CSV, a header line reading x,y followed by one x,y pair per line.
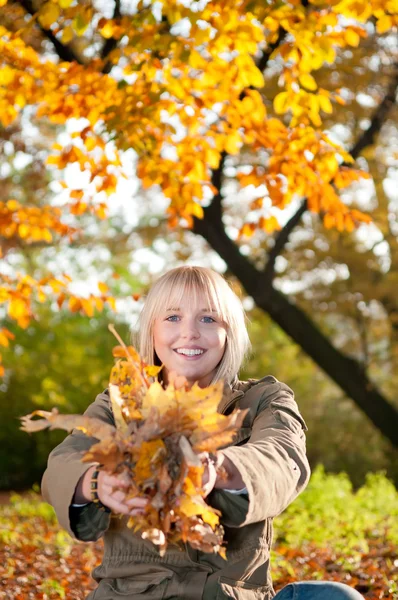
x,y
189,351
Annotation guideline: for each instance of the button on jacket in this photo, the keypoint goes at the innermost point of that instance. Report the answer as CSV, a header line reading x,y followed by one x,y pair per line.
x,y
268,451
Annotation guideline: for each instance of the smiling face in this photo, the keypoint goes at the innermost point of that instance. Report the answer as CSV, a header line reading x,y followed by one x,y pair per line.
x,y
190,339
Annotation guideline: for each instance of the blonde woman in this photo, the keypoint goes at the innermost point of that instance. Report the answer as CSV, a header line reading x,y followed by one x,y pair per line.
x,y
194,325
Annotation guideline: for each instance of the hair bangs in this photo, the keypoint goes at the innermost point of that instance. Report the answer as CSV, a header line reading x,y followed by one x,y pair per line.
x,y
194,284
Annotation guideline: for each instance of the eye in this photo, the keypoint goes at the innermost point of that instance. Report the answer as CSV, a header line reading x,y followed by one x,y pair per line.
x,y
208,319
172,318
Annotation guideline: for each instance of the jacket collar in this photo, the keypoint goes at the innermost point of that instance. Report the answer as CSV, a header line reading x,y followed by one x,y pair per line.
x,y
231,393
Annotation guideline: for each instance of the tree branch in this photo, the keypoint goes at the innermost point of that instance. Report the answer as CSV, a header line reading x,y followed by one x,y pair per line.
x,y
379,117
280,241
263,61
216,177
217,174
344,371
214,210
64,52
111,43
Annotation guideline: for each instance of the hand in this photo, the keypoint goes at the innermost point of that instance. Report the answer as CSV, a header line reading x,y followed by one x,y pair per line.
x,y
111,491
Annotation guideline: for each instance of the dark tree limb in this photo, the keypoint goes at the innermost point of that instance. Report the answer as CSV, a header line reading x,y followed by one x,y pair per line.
x,y
111,43
345,372
282,33
214,210
280,242
263,60
379,117
64,51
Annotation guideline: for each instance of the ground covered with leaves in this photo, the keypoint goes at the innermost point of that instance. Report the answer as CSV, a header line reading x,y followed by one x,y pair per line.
x,y
329,532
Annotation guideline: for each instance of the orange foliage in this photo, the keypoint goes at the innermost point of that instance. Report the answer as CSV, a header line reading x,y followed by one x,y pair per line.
x,y
157,437
198,92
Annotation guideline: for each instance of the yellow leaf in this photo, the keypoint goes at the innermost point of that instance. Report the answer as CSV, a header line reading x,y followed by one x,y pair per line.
x,y
6,75
48,14
212,158
107,30
79,25
232,142
329,221
384,24
23,230
247,230
352,37
195,209
112,303
67,35
151,454
41,296
103,288
280,103
307,81
190,508
19,311
256,77
325,104
65,3
87,307
5,336
269,225
152,370
74,304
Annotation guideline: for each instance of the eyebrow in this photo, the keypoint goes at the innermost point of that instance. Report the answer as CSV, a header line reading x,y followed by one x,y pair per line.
x,y
202,310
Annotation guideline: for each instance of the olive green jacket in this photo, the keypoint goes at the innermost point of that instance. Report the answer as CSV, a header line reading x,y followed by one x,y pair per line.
x,y
269,452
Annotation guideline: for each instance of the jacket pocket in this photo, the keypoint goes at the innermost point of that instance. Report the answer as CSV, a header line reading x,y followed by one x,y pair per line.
x,y
148,586
242,590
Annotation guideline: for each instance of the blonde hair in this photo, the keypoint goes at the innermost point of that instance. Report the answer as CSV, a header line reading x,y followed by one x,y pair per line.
x,y
169,290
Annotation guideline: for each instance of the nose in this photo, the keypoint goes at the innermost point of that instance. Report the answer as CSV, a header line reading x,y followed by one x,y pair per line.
x,y
190,330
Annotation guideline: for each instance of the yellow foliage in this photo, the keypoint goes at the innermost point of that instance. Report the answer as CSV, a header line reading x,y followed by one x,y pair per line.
x,y
307,81
155,441
207,80
48,14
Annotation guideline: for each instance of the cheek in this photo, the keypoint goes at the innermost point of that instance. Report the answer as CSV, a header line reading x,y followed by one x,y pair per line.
x,y
158,336
220,339
161,335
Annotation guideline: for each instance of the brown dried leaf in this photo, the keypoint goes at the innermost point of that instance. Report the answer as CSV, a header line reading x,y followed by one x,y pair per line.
x,y
211,436
53,420
109,453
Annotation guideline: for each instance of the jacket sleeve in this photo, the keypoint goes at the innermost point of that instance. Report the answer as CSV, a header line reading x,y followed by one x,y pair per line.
x,y
63,472
272,464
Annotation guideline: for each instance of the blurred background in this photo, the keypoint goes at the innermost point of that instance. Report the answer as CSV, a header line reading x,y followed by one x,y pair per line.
x,y
335,282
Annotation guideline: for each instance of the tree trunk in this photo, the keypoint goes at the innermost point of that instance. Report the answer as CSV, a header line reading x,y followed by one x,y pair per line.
x,y
344,371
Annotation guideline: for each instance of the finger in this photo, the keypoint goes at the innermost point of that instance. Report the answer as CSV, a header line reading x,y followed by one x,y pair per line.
x,y
136,512
136,502
116,506
115,481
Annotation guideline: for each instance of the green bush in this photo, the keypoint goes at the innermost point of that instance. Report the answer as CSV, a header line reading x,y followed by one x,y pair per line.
x,y
330,513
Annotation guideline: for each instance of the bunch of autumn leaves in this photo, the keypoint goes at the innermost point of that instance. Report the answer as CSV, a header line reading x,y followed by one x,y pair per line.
x,y
156,442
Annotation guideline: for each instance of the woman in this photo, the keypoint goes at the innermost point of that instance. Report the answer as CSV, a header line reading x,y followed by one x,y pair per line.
x,y
194,325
